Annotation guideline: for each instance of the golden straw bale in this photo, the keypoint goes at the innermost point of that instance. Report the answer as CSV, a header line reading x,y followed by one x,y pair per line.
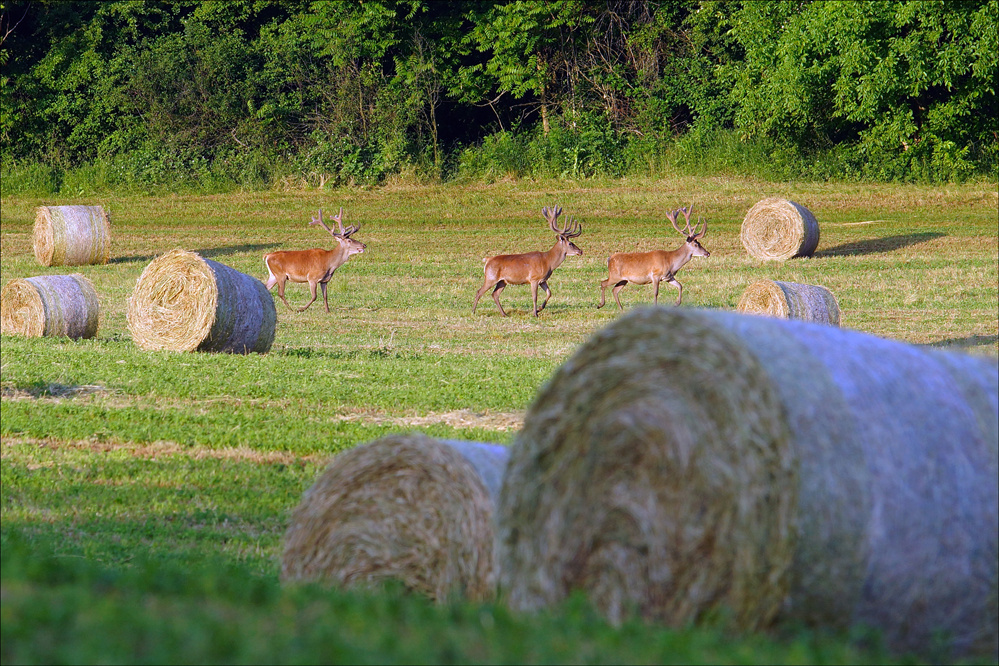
x,y
184,302
50,305
790,300
405,507
778,229
72,235
686,461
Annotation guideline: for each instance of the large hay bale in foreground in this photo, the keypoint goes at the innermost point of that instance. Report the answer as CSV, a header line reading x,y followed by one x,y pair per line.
x,y
790,300
684,461
184,302
72,235
50,305
404,507
778,229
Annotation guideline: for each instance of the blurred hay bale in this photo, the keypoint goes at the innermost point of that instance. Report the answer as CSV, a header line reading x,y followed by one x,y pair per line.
x,y
184,302
404,507
50,305
72,235
685,461
778,229
790,300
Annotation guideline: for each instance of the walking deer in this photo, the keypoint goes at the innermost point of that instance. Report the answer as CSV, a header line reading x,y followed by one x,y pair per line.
x,y
532,268
315,266
655,266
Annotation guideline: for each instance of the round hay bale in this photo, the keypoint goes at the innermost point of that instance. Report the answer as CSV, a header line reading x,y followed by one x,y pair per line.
x,y
184,302
778,229
404,507
790,300
50,305
686,461
72,235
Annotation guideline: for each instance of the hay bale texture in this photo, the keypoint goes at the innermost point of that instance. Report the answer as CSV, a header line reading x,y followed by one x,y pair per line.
x,y
405,507
790,300
50,305
684,461
778,229
184,302
72,235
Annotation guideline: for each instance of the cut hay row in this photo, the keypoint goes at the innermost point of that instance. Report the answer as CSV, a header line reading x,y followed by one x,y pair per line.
x,y
72,235
790,300
683,462
50,305
184,302
407,508
777,229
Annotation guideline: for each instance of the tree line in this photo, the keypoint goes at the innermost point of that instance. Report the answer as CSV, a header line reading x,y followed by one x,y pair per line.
x,y
247,91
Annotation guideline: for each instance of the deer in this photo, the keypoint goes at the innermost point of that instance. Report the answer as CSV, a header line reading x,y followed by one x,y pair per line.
x,y
315,266
532,268
658,265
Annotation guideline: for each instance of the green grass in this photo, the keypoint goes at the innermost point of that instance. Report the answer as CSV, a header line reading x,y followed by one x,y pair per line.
x,y
145,495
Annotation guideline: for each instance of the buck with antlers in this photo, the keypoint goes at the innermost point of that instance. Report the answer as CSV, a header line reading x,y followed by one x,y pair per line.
x,y
532,268
658,265
315,266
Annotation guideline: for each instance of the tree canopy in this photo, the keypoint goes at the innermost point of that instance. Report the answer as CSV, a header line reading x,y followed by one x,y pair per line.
x,y
882,90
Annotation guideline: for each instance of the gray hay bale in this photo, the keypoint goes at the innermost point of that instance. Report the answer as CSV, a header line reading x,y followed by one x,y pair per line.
x,y
778,229
684,461
51,306
405,507
790,300
184,302
72,235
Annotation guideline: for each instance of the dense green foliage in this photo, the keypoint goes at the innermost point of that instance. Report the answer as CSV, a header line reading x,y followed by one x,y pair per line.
x,y
147,93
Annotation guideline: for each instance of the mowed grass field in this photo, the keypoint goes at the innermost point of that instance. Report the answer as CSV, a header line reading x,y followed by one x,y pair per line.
x,y
145,495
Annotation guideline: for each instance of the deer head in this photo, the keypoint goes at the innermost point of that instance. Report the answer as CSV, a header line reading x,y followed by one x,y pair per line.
x,y
571,230
343,238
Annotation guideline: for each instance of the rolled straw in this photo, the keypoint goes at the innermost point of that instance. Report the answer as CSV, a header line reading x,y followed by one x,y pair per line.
x,y
184,302
50,305
685,461
778,229
790,300
71,235
404,507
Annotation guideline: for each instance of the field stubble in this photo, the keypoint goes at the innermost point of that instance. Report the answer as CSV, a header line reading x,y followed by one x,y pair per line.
x,y
199,439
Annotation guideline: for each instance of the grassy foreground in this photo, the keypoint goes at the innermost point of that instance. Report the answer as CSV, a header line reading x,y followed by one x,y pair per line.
x,y
145,495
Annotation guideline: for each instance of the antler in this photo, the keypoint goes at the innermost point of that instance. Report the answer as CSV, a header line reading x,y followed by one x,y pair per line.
x,y
339,220
571,229
687,231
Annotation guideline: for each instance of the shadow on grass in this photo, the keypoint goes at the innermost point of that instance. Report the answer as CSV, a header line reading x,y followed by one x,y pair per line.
x,y
878,245
43,390
966,342
208,253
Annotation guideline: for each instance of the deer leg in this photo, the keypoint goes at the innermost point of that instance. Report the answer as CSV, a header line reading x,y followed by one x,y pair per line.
x,y
655,293
617,290
679,288
280,286
325,300
478,295
496,292
312,288
548,294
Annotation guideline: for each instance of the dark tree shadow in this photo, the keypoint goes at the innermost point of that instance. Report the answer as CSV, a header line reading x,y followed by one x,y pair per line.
x,y
878,245
208,253
966,342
